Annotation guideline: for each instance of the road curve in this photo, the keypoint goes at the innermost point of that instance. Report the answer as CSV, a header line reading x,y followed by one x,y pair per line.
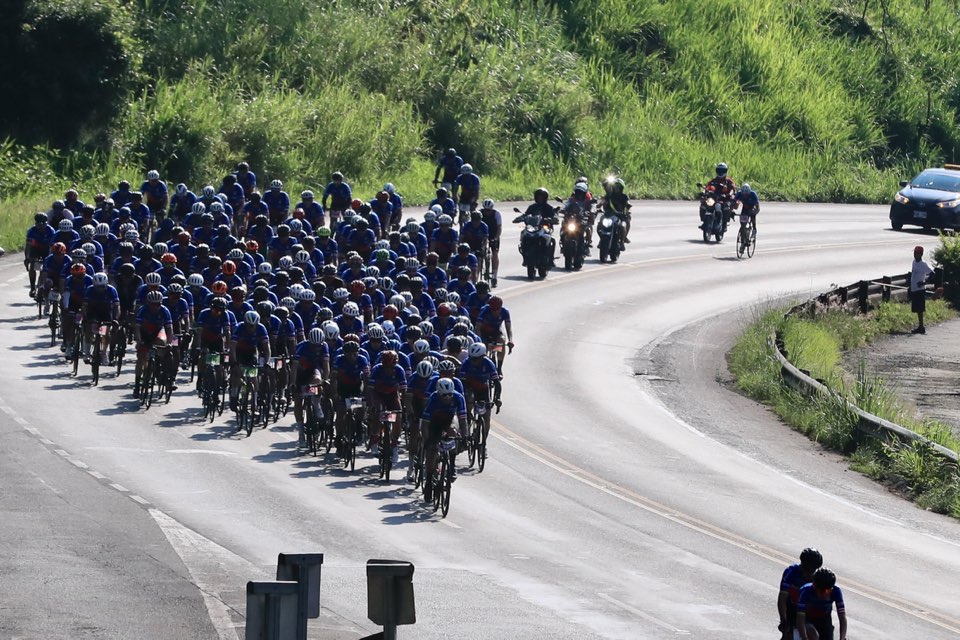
x,y
601,514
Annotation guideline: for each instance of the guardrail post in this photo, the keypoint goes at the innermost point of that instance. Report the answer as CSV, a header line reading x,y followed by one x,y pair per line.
x,y
842,292
863,296
885,294
271,610
304,569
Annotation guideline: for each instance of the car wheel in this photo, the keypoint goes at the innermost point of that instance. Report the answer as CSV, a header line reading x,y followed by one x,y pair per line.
x,y
896,226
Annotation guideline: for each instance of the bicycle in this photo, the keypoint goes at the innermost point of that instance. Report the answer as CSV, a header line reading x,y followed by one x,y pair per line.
x,y
747,238
118,345
55,322
477,442
77,341
212,385
442,479
387,420
100,330
316,420
354,432
247,398
153,384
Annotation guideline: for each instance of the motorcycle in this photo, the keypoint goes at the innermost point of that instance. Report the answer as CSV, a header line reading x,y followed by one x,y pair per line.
x,y
536,244
611,232
573,238
714,214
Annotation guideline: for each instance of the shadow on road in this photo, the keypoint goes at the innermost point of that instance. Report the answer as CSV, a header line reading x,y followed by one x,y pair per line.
x,y
33,346
282,451
218,432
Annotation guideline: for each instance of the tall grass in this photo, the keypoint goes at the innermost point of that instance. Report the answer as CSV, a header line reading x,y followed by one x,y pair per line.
x,y
817,345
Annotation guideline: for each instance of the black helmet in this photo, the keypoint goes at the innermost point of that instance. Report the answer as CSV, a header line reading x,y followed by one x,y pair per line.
x,y
337,175
541,195
824,578
451,152
463,247
441,193
325,313
362,224
811,559
127,269
351,347
219,303
40,218
722,169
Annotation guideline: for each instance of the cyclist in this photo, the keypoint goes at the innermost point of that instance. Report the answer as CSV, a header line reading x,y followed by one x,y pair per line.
x,y
383,209
311,366
74,286
466,191
246,178
491,318
351,370
40,237
750,201
794,577
340,195
123,195
181,204
249,340
312,210
435,422
465,264
72,201
277,201
397,201
478,299
478,373
444,239
443,200
233,192
450,163
155,191
388,381
154,327
815,606
214,326
179,307
101,304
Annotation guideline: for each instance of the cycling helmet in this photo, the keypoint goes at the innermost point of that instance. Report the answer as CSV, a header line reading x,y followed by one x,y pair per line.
x,y
386,284
219,303
463,272
253,246
168,258
810,558
295,226
466,168
454,344
153,175
745,188
315,336
127,269
219,288
446,366
132,235
235,254
306,195
282,312
323,232
86,231
198,208
295,290
331,331
444,220
264,268
440,294
412,264
65,225
425,369
477,350
195,280
100,279
580,187
229,267
152,278
382,196
413,332
376,332
389,330
58,205
302,257
389,358
823,578
209,191
722,169
427,328
340,293
351,310
356,203
308,295
436,209
181,189
78,269
285,263
265,308
389,188
154,297
445,386
59,248
351,347
251,317
496,303
89,248
103,229
173,289
442,193
357,286
40,218
276,184
217,207
453,298
288,302
421,346
373,271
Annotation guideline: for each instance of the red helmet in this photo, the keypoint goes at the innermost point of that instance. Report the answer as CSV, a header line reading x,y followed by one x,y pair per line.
x,y
496,303
389,358
59,248
390,312
229,267
168,258
356,204
252,245
351,337
357,286
183,236
382,196
78,269
443,310
219,288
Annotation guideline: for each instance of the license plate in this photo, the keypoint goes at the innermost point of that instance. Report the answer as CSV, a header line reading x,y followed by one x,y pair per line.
x,y
919,214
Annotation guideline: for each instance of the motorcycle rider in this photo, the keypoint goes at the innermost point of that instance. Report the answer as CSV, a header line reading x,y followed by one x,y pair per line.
x,y
579,203
617,202
723,189
540,207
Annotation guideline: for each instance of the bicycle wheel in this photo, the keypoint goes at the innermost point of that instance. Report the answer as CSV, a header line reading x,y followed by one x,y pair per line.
x,y
447,487
327,422
310,427
146,385
741,243
77,347
208,388
418,467
753,243
248,408
54,324
437,482
119,346
482,445
95,363
386,453
473,440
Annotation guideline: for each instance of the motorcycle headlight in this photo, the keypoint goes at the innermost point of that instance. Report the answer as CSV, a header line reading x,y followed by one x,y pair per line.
x,y
545,227
902,199
607,223
571,227
710,202
531,228
949,204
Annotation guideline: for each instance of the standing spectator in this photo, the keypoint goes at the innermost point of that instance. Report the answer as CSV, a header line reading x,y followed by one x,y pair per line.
x,y
919,274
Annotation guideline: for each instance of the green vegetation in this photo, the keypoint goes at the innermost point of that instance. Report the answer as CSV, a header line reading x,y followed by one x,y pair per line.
x,y
818,100
815,346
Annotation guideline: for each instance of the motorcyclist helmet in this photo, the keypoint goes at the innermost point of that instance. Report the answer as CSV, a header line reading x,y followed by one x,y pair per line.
x,y
540,195
722,169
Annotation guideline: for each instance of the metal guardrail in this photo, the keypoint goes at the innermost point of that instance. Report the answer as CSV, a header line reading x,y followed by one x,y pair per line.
x,y
856,297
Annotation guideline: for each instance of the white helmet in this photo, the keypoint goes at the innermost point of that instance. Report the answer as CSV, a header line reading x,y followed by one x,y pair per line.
x,y
295,226
276,184
209,191
198,208
251,317
295,290
160,248
288,302
421,346
153,174
425,369
427,328
466,168
351,310
445,219
389,330
389,188
316,335
340,293
302,257
308,295
375,332
100,278
453,297
306,195
235,254
89,248
181,189
477,350
285,262
153,278
102,229
331,331
217,207
489,204
130,235
66,225
398,301
265,268
445,386
195,280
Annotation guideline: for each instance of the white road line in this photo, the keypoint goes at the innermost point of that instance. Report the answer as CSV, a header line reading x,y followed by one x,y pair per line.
x,y
197,552
450,524
97,475
119,487
138,499
46,441
22,422
77,463
61,453
8,410
643,614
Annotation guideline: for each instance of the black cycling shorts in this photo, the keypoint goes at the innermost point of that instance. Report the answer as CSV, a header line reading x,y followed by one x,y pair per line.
x,y
436,429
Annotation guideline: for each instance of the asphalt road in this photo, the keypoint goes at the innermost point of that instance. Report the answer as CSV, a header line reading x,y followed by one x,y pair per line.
x,y
608,509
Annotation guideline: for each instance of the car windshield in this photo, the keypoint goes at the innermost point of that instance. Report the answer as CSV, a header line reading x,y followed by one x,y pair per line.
x,y
938,181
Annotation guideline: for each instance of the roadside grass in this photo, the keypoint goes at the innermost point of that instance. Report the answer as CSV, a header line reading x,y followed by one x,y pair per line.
x,y
816,346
